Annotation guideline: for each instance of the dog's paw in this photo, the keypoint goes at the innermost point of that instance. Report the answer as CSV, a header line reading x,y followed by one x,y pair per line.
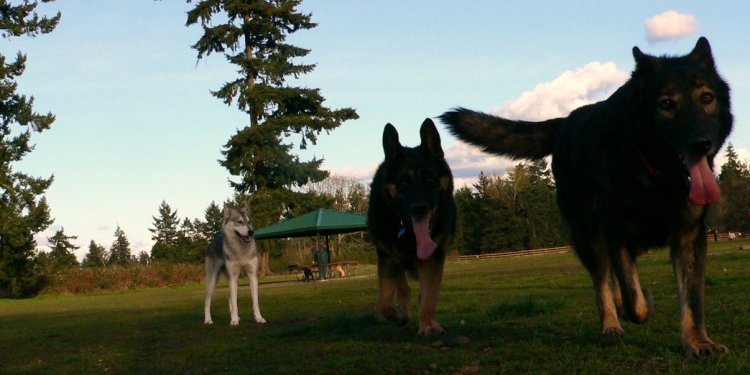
x,y
396,314
431,331
612,331
704,349
208,322
259,319
235,322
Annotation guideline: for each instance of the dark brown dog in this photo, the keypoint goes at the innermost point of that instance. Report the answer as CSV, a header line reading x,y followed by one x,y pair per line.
x,y
412,219
633,172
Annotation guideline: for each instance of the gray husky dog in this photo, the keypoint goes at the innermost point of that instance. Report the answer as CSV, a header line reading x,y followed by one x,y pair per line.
x,y
231,252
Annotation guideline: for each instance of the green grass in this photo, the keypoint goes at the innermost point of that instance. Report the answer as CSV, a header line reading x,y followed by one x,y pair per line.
x,y
510,316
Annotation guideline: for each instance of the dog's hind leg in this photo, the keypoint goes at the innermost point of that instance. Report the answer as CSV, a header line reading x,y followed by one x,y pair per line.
x,y
637,302
594,258
689,259
212,275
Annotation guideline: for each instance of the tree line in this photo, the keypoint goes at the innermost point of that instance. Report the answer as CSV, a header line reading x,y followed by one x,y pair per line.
x,y
499,213
516,210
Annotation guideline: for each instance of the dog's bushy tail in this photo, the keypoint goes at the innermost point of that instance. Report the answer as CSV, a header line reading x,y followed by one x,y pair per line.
x,y
514,139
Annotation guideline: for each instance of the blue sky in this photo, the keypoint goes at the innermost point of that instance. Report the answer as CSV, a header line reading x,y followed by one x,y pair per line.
x,y
136,123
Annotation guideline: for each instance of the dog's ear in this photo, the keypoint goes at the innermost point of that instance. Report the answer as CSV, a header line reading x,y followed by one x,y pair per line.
x,y
701,54
226,211
431,138
391,144
246,208
644,61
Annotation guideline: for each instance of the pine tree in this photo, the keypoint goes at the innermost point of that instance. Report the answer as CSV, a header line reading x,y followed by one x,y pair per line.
x,y
143,258
252,35
466,237
62,253
119,252
734,180
23,208
165,233
517,211
96,257
190,246
211,227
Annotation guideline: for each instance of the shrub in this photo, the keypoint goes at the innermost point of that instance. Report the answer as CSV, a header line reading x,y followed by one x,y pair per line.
x,y
91,280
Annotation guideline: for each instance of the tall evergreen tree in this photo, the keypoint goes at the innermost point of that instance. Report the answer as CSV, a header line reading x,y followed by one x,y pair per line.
x,y
734,180
190,245
467,231
23,209
210,228
517,211
119,253
165,233
143,258
252,36
62,253
96,256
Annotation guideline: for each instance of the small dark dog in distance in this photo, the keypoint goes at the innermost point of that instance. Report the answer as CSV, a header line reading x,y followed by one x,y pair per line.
x,y
412,219
633,172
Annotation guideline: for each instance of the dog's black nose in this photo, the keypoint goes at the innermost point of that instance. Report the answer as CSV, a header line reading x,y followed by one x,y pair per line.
x,y
700,147
419,209
250,232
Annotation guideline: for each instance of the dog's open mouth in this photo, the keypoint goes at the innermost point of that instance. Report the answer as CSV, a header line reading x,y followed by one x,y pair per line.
x,y
703,187
246,238
425,245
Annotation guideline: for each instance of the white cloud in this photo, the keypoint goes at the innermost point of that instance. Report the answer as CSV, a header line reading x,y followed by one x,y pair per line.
x,y
572,89
557,98
467,161
363,174
670,25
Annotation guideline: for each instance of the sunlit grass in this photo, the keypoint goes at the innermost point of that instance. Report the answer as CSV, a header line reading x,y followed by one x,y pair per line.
x,y
510,315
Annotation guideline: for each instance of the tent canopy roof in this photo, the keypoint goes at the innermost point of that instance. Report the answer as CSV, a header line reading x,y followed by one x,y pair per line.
x,y
317,222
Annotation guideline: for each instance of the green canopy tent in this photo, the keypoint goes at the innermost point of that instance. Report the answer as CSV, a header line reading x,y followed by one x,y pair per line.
x,y
320,222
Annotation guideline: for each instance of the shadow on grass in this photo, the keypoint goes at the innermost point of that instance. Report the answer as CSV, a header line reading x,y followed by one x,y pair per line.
x,y
524,307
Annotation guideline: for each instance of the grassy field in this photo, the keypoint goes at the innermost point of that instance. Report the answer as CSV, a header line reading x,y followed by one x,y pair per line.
x,y
503,316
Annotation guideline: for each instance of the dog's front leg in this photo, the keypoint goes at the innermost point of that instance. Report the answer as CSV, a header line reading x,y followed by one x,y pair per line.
x,y
430,278
689,260
234,274
389,275
253,276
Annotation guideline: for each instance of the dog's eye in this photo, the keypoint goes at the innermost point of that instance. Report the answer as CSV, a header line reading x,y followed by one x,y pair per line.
x,y
667,104
707,97
428,177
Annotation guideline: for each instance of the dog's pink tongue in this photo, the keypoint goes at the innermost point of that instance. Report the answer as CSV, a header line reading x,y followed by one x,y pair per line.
x,y
425,245
703,187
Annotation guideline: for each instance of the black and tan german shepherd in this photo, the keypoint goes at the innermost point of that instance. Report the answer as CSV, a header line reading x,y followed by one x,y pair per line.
x,y
633,172
412,219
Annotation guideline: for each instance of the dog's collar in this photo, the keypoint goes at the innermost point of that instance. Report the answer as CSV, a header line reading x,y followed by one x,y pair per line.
x,y
649,167
646,177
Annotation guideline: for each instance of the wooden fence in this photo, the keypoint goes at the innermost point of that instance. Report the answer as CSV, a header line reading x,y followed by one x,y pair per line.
x,y
551,250
565,249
